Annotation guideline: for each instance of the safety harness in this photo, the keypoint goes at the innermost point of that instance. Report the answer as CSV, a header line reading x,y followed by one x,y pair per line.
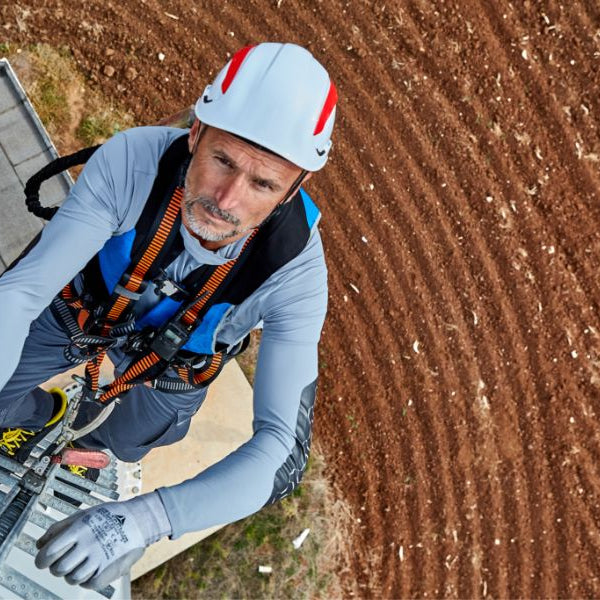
x,y
102,315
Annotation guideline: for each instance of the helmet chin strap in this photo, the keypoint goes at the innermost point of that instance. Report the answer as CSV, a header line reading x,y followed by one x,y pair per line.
x,y
297,183
200,135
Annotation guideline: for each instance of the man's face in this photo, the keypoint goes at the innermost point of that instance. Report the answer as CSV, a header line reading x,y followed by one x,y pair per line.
x,y
231,187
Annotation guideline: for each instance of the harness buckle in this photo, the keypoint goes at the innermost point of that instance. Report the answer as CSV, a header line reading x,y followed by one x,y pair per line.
x,y
165,286
122,291
136,341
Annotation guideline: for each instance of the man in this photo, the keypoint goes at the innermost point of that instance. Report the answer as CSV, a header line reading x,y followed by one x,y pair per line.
x,y
249,254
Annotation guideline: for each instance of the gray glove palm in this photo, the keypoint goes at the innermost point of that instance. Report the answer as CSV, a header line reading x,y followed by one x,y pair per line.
x,y
100,544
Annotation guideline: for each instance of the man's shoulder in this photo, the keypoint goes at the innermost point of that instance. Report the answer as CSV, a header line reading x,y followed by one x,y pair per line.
x,y
303,276
141,147
119,176
153,134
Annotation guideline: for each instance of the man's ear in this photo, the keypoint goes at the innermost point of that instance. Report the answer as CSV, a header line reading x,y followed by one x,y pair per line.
x,y
193,135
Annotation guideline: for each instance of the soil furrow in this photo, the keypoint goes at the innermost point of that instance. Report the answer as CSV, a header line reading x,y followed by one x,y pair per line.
x,y
466,156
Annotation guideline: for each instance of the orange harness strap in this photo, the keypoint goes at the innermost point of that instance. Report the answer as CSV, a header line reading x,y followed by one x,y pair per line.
x,y
141,367
134,285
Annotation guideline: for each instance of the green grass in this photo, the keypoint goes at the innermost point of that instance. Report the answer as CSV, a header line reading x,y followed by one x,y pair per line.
x,y
52,103
52,77
74,114
97,127
225,565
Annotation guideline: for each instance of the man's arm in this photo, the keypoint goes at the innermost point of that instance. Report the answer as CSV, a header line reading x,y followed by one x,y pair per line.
x,y
110,187
77,231
261,471
269,465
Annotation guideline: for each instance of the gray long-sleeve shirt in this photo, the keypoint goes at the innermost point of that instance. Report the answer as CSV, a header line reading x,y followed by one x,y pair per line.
x,y
107,200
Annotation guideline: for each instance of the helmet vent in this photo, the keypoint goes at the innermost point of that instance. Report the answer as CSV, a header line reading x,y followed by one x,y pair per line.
x,y
327,109
236,63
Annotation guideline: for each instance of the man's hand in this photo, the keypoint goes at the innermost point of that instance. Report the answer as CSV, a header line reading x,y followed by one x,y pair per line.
x,y
100,544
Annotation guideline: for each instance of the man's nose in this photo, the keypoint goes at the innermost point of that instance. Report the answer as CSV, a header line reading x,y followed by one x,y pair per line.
x,y
230,191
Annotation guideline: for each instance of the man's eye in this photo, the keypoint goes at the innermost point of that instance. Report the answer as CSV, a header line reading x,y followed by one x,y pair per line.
x,y
261,183
223,161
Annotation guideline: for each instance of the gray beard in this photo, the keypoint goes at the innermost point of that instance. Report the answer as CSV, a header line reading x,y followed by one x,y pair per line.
x,y
204,231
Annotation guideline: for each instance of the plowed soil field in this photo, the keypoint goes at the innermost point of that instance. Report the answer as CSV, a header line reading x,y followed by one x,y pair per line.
x,y
460,377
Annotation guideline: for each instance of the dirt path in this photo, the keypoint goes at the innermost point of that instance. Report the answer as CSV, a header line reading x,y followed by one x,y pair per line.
x,y
461,357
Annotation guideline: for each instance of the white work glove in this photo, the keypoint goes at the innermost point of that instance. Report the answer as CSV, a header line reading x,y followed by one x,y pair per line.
x,y
100,544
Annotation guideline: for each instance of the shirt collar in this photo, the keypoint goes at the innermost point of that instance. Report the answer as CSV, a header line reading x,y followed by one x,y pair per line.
x,y
211,257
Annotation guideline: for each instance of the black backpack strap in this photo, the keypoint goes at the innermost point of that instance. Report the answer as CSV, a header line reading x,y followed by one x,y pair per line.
x,y
58,165
171,172
172,169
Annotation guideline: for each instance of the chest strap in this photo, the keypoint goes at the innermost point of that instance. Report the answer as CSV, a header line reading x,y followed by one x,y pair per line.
x,y
129,289
163,346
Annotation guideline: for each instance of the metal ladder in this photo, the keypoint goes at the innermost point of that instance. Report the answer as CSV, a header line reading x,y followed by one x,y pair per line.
x,y
29,506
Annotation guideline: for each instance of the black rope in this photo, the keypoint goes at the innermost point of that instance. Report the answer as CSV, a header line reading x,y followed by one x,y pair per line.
x,y
32,187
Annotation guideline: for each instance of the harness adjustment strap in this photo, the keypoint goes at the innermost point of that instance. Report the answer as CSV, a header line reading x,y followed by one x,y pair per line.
x,y
134,279
123,291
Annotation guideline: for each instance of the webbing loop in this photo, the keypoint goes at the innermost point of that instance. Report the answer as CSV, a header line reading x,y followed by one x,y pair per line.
x,y
58,165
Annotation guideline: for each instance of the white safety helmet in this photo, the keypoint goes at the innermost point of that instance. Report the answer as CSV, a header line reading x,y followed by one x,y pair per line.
x,y
277,96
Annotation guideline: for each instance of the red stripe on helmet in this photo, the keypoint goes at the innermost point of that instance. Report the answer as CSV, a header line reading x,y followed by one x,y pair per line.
x,y
327,109
236,63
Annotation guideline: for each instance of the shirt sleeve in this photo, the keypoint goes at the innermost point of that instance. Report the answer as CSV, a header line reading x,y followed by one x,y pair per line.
x,y
106,200
86,219
271,463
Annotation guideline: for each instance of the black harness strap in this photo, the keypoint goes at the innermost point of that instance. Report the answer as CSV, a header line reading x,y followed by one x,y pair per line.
x,y
32,187
170,175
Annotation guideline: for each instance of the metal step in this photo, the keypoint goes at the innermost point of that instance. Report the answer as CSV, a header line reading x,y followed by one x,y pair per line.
x,y
25,516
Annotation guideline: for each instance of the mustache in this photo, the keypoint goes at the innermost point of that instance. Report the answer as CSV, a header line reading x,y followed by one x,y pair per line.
x,y
210,206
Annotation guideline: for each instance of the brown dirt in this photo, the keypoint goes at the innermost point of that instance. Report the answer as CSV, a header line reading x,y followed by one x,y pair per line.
x,y
460,383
